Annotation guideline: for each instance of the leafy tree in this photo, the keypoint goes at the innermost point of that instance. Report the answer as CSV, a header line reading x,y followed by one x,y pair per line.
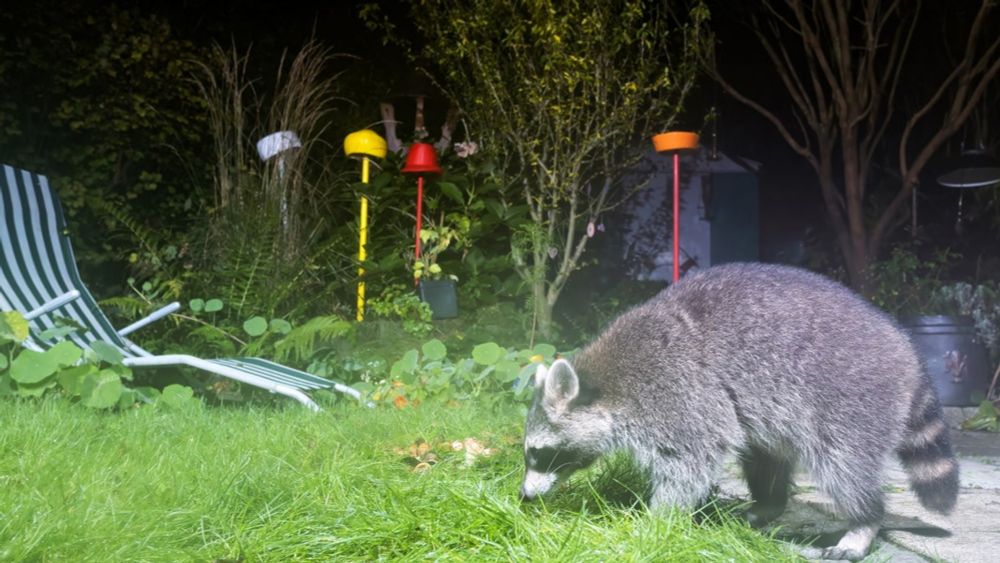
x,y
561,94
842,65
98,98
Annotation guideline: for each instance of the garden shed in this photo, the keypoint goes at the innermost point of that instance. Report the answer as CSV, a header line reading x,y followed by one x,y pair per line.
x,y
719,218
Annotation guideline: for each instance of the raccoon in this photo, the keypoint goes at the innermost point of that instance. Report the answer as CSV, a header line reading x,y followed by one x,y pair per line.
x,y
779,365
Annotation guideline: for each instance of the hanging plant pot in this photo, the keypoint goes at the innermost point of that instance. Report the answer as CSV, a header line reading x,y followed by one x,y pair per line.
x,y
953,356
441,295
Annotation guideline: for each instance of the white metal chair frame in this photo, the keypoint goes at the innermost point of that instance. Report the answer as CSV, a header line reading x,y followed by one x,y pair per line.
x,y
35,228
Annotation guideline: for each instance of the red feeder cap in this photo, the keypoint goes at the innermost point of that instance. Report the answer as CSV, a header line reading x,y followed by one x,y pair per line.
x,y
421,160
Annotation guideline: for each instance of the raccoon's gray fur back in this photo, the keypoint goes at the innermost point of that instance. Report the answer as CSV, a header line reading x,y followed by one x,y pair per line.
x,y
776,363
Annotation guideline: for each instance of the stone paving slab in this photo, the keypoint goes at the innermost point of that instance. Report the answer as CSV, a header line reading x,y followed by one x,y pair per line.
x,y
977,444
910,533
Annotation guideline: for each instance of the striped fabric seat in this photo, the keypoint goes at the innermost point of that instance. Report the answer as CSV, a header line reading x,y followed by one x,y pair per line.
x,y
39,278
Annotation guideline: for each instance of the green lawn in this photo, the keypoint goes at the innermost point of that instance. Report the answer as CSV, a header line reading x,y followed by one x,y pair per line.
x,y
284,484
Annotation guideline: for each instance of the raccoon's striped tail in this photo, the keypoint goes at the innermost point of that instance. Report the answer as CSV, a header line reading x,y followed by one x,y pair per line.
x,y
926,453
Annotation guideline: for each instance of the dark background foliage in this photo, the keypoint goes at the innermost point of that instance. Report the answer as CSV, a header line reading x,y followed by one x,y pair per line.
x,y
101,98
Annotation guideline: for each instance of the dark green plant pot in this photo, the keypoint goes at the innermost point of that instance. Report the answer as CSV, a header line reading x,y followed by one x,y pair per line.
x,y
953,355
441,296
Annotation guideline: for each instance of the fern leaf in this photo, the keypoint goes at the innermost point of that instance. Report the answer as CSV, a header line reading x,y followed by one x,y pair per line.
x,y
303,341
126,306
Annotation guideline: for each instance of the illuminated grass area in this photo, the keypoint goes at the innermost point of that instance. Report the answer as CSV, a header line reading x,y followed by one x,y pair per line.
x,y
284,484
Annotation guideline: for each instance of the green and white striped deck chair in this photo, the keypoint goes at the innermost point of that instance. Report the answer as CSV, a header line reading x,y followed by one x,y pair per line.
x,y
39,279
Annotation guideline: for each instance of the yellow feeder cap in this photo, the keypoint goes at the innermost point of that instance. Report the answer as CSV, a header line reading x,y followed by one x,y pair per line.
x,y
365,143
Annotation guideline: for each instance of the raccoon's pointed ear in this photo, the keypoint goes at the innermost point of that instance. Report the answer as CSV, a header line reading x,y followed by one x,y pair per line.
x,y
561,384
540,374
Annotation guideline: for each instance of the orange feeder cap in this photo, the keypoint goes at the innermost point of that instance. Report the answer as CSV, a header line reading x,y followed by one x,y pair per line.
x,y
674,141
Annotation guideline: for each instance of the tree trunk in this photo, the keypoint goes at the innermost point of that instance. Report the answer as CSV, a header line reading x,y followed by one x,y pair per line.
x,y
857,259
542,307
845,86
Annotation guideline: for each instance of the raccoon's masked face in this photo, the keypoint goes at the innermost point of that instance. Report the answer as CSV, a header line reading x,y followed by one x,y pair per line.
x,y
559,438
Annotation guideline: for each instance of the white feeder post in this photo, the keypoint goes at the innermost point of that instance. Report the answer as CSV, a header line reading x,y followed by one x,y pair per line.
x,y
276,145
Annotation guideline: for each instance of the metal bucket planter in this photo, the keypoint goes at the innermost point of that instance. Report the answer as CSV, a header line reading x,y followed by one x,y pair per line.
x,y
953,355
441,296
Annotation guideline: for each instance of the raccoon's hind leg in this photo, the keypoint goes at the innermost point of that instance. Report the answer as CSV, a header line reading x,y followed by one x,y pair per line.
x,y
768,477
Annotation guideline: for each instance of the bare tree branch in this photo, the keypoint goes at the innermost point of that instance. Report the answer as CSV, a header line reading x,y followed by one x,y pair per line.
x,y
853,55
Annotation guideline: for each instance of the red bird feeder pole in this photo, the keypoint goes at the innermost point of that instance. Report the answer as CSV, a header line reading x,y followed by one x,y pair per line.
x,y
674,142
420,215
421,160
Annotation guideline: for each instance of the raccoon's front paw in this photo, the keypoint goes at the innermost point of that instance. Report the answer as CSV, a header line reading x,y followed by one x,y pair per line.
x,y
829,554
838,553
854,545
760,516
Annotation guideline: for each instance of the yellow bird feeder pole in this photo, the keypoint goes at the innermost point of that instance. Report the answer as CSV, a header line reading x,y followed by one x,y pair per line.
x,y
363,144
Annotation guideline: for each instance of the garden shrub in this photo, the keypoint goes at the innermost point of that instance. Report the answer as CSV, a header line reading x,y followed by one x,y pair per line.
x,y
94,378
905,283
98,98
492,375
979,301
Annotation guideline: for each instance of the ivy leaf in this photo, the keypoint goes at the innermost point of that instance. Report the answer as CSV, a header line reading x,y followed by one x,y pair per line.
x,y
987,417
56,332
281,326
148,395
507,371
101,390
427,235
363,387
35,389
107,353
496,208
122,370
255,326
434,350
405,367
127,398
13,326
451,191
177,396
65,353
32,367
71,379
547,351
381,180
525,378
487,354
